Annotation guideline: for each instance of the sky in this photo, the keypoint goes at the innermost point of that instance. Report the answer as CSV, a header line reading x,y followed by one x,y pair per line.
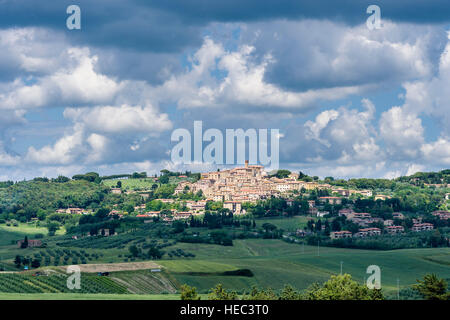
x,y
348,100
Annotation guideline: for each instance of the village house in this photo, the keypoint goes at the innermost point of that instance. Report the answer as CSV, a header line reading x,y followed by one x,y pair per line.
x,y
368,232
417,220
422,227
346,212
394,229
182,215
322,214
388,222
361,215
340,234
330,200
341,191
398,215
365,193
31,243
75,211
441,214
233,206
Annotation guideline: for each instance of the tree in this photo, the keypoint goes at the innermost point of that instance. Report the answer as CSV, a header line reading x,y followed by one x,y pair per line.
x,y
164,179
282,173
219,293
134,250
155,253
341,287
289,293
119,184
24,243
18,261
432,288
260,294
35,263
52,228
189,293
268,227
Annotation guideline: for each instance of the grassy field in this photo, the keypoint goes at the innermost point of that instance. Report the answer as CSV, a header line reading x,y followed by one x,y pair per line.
x,y
276,263
131,184
139,184
10,233
273,263
287,224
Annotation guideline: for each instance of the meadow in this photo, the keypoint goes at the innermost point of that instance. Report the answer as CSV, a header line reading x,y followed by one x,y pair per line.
x,y
276,263
272,262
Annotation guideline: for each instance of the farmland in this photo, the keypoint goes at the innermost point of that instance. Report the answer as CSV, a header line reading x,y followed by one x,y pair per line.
x,y
273,263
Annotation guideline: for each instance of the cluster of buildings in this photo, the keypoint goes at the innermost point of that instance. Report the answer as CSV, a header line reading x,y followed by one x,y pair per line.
x,y
73,211
245,184
363,220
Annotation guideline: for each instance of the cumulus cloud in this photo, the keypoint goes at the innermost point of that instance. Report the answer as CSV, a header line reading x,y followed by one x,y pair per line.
x,y
402,132
242,82
314,54
345,135
121,119
76,83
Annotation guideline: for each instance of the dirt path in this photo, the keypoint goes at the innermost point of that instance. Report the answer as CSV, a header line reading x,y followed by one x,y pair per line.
x,y
111,267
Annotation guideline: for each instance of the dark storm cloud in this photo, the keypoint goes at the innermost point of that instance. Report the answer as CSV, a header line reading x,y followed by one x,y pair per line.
x,y
107,23
170,26
350,11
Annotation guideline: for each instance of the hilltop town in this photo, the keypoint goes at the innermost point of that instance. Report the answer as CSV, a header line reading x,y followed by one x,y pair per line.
x,y
182,219
240,190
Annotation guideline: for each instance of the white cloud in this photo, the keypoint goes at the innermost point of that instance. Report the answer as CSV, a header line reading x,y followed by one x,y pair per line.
x,y
64,151
125,118
345,135
402,133
437,152
242,84
75,83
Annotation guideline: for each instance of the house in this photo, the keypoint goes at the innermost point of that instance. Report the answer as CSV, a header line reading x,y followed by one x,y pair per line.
x,y
368,232
342,192
422,227
361,215
417,220
31,243
365,193
74,210
321,214
388,222
441,214
398,215
182,215
330,200
233,206
340,234
346,212
394,229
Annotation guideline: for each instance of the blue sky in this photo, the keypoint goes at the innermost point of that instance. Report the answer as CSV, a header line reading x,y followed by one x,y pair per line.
x,y
349,101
